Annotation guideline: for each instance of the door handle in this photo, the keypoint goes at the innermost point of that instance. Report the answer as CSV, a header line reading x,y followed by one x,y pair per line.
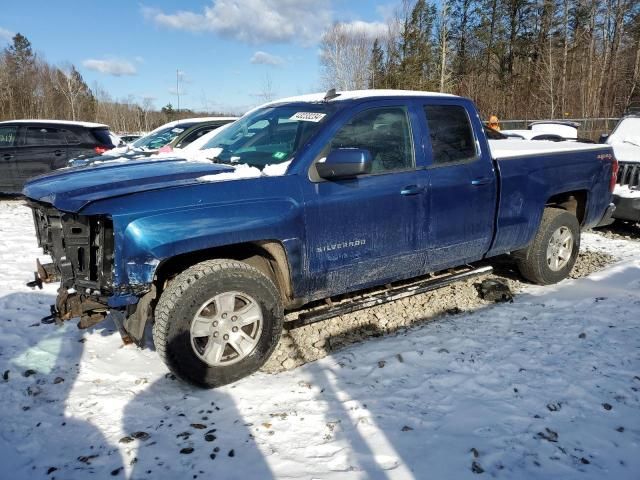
x,y
57,153
411,190
7,156
480,181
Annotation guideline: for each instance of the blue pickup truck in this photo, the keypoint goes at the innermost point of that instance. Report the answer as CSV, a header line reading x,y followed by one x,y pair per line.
x,y
307,199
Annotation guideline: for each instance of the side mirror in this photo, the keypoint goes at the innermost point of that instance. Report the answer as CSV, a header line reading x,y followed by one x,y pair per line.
x,y
345,163
603,138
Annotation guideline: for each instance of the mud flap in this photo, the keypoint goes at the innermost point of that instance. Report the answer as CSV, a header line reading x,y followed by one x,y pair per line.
x,y
136,321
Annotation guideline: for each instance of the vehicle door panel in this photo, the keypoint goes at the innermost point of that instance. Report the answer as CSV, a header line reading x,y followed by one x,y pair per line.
x,y
8,181
40,150
461,191
363,231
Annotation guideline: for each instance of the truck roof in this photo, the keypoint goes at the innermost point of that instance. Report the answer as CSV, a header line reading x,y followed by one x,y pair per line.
x,y
358,94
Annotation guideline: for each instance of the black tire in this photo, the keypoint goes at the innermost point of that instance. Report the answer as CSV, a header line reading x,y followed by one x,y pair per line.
x,y
184,298
532,261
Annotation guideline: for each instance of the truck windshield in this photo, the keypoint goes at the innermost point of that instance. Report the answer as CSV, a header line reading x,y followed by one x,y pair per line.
x,y
269,135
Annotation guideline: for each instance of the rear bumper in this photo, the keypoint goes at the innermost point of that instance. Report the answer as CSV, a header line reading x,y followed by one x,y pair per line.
x,y
607,218
627,208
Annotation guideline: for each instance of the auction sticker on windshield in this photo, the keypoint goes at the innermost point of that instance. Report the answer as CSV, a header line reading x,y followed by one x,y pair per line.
x,y
308,116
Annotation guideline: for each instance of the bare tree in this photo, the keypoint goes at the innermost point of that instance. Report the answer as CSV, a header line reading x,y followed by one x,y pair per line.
x,y
443,41
70,84
267,92
345,57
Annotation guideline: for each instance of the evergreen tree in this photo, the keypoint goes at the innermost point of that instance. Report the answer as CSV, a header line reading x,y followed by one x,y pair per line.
x,y
377,67
419,63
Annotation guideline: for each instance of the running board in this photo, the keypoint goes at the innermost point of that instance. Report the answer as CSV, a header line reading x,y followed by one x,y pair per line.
x,y
388,295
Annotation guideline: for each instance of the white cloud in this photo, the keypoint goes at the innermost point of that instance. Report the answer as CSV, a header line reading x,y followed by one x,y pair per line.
x,y
265,58
112,66
252,21
5,35
372,30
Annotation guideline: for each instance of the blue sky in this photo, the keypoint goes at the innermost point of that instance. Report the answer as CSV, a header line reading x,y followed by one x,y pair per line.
x,y
226,48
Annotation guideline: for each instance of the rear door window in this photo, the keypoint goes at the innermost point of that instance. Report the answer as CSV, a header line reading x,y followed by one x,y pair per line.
x,y
72,138
451,135
8,136
104,137
195,135
42,136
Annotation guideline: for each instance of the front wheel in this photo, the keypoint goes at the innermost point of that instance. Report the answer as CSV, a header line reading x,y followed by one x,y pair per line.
x,y
551,255
217,322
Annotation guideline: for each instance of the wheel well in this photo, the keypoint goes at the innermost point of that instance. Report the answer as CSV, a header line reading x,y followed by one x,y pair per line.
x,y
267,256
574,202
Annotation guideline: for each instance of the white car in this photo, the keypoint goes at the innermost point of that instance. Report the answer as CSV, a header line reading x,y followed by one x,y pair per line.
x,y
625,140
554,130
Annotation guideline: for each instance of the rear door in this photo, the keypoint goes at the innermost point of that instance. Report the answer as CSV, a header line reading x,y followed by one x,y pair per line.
x,y
8,181
40,149
462,187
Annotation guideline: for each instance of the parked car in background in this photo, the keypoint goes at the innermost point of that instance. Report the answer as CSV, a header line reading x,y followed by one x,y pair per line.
x,y
625,140
310,198
163,140
130,138
179,134
552,130
33,147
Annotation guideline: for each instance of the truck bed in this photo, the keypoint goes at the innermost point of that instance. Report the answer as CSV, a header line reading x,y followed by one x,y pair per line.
x,y
501,149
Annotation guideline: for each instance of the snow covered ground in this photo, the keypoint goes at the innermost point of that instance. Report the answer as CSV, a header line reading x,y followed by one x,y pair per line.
x,y
545,387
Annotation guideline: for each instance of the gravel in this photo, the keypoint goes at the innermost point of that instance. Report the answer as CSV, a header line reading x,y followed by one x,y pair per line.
x,y
315,341
620,230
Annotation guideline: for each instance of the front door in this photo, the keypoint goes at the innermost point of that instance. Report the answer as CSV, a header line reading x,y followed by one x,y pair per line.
x,y
363,231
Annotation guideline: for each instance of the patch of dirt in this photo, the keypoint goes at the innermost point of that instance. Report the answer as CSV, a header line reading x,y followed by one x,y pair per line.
x,y
315,341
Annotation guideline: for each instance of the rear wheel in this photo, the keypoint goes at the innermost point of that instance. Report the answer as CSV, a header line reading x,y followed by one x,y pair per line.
x,y
551,255
217,322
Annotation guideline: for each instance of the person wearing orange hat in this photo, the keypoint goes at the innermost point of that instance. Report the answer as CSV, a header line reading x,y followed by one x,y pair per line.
x,y
494,124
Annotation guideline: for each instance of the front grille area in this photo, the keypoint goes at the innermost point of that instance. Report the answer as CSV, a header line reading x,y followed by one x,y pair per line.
x,y
81,247
629,174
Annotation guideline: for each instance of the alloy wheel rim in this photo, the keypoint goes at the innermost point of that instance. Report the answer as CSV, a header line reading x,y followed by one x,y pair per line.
x,y
560,249
226,328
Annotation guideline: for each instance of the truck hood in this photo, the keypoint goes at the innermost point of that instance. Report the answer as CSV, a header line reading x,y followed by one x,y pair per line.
x,y
71,189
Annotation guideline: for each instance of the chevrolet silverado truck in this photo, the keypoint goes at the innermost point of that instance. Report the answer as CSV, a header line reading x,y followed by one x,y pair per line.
x,y
311,207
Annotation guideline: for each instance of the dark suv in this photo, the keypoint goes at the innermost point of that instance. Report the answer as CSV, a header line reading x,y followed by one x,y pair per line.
x,y
33,147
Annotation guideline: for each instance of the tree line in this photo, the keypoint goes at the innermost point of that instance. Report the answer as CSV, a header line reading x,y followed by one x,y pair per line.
x,y
30,87
520,59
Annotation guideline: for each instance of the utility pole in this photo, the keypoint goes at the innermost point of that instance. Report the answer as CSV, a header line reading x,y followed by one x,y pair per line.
x,y
178,88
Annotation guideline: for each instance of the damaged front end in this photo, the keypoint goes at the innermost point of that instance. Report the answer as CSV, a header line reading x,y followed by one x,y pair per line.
x,y
82,250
